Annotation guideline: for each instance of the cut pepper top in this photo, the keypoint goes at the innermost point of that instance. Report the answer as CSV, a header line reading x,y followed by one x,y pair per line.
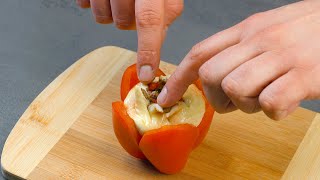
x,y
142,107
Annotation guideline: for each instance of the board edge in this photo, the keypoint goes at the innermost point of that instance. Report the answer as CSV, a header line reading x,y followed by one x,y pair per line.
x,y
8,175
299,165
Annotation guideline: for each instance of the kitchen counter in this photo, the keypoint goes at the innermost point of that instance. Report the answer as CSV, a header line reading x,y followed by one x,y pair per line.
x,y
39,39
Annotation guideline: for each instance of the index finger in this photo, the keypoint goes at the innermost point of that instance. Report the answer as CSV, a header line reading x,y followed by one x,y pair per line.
x,y
150,27
187,72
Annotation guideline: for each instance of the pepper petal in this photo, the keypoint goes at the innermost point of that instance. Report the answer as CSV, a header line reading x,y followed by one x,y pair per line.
x,y
125,130
168,148
205,124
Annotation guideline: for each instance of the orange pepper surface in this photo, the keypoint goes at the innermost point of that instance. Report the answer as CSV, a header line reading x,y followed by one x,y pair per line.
x,y
168,147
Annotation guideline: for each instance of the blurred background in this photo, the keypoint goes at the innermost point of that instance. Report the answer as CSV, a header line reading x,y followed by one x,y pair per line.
x,y
39,39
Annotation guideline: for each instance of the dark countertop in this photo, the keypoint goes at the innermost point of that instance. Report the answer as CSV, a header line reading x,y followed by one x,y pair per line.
x,y
39,39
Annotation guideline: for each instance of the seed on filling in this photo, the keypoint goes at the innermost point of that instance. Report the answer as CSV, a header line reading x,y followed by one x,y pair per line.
x,y
166,110
153,96
145,94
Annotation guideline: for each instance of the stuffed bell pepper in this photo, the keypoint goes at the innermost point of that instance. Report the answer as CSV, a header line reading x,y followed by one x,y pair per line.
x,y
164,136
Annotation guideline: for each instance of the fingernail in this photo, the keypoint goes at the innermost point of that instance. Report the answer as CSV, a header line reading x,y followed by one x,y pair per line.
x,y
162,96
146,73
281,114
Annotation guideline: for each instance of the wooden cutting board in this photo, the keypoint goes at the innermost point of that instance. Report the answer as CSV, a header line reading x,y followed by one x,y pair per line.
x,y
66,133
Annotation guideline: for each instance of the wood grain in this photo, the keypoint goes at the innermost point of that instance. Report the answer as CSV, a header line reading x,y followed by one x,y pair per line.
x,y
306,162
66,133
53,112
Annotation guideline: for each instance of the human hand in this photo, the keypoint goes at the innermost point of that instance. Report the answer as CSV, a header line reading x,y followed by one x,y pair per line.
x,y
151,18
270,61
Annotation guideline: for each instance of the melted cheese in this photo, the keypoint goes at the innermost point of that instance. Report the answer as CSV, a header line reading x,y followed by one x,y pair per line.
x,y
190,111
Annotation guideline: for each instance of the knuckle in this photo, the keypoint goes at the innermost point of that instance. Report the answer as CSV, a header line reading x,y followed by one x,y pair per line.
x,y
123,21
272,34
196,52
268,38
175,9
208,78
230,87
253,19
147,56
258,42
268,103
251,24
148,18
205,75
178,9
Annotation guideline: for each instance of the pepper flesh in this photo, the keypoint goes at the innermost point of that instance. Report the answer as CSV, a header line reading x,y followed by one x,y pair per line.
x,y
168,147
125,130
206,119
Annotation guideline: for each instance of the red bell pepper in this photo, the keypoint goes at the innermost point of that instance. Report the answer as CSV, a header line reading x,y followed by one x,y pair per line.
x,y
168,147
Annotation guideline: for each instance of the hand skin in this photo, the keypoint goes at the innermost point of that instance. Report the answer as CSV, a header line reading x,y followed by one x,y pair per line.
x,y
270,61
150,18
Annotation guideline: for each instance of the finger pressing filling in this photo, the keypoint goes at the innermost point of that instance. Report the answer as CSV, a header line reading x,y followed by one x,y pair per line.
x,y
142,107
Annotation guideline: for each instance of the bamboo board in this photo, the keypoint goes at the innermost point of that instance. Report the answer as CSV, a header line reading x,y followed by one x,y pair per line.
x,y
66,133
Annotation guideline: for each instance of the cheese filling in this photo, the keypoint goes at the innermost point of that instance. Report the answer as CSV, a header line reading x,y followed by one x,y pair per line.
x,y
148,115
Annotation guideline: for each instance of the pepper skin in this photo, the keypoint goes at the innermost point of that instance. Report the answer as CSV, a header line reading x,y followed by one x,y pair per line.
x,y
168,147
